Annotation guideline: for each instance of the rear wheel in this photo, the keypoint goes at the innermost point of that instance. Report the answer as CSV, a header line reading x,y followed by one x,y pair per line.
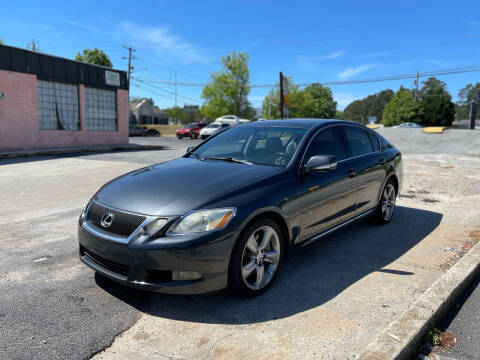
x,y
386,205
256,258
193,136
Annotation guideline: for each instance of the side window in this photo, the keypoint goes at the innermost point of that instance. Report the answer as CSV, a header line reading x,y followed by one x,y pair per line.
x,y
358,140
327,142
374,140
225,125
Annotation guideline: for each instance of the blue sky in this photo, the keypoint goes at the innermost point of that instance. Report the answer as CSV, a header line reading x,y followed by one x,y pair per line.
x,y
308,40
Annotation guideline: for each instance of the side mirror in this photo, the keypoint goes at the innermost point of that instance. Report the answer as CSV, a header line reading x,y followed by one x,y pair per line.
x,y
321,163
190,148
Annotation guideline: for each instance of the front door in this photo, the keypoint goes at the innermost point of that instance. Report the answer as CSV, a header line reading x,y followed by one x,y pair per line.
x,y
328,198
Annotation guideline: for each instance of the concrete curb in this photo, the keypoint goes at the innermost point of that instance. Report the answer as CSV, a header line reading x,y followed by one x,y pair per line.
x,y
68,150
402,337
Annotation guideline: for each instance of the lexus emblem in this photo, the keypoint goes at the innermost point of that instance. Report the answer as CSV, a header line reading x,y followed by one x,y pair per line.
x,y
107,220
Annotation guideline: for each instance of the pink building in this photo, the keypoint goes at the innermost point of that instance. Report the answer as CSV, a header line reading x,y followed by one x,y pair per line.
x,y
48,102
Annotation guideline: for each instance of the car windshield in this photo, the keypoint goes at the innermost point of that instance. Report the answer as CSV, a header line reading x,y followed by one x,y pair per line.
x,y
273,146
213,126
189,126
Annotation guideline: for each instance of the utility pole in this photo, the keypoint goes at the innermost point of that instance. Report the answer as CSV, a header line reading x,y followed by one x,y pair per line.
x,y
281,95
130,58
416,85
175,83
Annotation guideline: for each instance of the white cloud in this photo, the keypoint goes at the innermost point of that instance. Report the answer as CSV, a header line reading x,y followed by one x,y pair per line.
x,y
312,59
162,41
84,26
334,54
352,71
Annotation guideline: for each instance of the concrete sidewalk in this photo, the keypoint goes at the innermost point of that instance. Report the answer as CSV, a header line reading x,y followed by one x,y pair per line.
x,y
77,149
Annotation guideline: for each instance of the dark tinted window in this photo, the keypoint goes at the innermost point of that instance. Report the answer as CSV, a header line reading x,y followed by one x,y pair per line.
x,y
374,140
358,140
225,125
385,143
327,142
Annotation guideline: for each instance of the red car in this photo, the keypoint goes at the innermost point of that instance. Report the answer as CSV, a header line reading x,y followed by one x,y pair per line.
x,y
191,130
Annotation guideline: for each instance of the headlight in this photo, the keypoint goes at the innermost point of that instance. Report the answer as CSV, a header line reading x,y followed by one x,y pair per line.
x,y
203,220
153,227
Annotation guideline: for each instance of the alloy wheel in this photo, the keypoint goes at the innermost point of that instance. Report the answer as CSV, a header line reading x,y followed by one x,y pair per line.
x,y
388,202
260,258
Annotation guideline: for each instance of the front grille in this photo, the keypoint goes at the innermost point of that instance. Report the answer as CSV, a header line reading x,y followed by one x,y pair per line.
x,y
107,264
123,223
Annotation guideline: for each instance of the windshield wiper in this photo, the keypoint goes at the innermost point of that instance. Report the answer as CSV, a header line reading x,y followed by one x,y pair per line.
x,y
230,159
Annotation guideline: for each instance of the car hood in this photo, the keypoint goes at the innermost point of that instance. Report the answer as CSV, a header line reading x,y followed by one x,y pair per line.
x,y
177,186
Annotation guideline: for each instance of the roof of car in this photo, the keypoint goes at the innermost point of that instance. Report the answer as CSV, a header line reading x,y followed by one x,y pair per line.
x,y
298,123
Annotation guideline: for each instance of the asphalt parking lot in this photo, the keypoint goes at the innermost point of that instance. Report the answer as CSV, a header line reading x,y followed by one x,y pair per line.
x,y
328,302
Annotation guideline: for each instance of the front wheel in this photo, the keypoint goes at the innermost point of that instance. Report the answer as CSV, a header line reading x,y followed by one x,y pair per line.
x,y
256,258
386,205
179,137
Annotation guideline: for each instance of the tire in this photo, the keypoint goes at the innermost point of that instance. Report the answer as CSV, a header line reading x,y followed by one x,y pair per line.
x,y
193,136
179,137
253,269
386,205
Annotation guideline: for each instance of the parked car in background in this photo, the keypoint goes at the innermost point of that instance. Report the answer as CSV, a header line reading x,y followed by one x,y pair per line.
x,y
232,119
191,130
409,125
212,129
229,211
136,130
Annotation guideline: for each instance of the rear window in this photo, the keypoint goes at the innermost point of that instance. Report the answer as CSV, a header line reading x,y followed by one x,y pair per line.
x,y
374,140
358,140
384,142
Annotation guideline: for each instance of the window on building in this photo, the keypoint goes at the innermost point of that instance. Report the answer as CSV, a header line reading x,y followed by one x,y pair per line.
x,y
100,109
57,106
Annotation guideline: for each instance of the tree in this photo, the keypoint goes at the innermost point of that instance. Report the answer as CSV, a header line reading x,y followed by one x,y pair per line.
x,y
1,42
33,46
315,101
339,115
372,105
402,108
139,99
436,103
227,92
470,93
95,56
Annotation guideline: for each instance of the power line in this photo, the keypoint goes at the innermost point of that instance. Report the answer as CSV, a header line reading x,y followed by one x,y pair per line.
x,y
474,68
167,91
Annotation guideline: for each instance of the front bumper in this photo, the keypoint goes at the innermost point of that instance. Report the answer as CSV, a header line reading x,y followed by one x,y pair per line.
x,y
149,266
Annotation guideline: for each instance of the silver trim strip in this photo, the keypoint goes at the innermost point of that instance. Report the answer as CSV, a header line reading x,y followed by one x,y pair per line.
x,y
339,226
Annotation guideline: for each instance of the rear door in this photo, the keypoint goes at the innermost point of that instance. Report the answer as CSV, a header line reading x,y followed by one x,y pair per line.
x,y
367,164
327,198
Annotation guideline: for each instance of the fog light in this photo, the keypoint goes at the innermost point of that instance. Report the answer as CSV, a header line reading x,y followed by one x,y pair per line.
x,y
186,275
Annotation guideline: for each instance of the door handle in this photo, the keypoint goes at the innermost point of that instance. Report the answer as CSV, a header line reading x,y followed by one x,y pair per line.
x,y
351,173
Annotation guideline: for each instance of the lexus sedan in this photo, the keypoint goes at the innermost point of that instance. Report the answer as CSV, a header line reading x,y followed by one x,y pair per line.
x,y
227,212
